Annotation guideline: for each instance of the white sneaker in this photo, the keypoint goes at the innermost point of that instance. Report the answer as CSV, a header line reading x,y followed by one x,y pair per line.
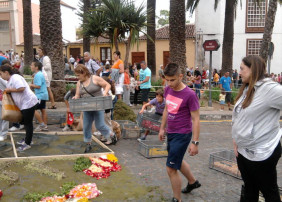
x,y
21,127
12,129
45,128
97,133
66,128
3,137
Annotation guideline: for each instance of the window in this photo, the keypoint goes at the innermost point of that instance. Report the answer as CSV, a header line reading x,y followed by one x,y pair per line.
x,y
255,16
253,46
106,53
4,25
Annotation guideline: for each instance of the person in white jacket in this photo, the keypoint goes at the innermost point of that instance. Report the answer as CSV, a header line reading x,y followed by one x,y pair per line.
x,y
46,62
4,125
256,131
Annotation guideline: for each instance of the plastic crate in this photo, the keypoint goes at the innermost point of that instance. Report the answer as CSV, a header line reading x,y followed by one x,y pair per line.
x,y
225,162
149,121
130,131
91,104
121,122
151,149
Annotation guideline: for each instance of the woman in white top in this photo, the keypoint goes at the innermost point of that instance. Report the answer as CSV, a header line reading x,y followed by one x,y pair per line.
x,y
24,98
256,131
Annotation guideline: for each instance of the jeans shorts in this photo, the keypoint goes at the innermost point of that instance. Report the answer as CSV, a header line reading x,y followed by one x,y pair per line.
x,y
177,145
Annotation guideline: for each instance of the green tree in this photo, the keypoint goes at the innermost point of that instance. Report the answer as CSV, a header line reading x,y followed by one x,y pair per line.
x,y
28,38
177,44
52,42
151,31
163,19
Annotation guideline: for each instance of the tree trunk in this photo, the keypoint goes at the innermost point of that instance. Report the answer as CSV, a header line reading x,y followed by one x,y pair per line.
x,y
115,39
128,43
177,45
86,38
28,38
228,36
151,31
52,42
268,29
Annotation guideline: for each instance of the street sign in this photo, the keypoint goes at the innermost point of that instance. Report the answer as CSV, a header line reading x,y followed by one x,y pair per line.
x,y
211,45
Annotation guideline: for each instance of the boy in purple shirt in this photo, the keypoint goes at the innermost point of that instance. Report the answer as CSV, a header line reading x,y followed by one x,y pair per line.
x,y
159,102
181,110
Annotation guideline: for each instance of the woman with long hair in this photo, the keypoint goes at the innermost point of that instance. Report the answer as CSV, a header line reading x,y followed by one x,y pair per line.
x,y
90,86
256,131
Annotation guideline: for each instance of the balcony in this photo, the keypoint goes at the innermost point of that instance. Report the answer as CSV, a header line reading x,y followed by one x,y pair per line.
x,y
5,5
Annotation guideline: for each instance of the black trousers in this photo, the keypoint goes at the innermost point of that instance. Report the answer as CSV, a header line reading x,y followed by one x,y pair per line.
x,y
28,115
136,95
260,176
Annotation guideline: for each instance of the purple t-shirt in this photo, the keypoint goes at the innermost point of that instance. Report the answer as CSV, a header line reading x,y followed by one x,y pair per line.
x,y
179,105
159,106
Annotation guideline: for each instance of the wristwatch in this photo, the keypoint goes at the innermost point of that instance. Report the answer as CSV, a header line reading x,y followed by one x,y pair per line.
x,y
195,142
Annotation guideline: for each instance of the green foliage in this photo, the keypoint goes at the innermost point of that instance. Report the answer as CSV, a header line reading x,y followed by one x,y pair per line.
x,y
65,189
81,163
123,112
27,70
163,19
202,104
216,91
156,83
69,86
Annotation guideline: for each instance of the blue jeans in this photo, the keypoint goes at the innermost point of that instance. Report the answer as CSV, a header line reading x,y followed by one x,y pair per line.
x,y
98,117
198,92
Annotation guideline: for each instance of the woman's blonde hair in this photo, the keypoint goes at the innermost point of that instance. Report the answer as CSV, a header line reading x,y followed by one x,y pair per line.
x,y
257,66
81,69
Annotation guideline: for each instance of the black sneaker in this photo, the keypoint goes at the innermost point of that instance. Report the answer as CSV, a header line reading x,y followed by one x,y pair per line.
x,y
88,148
174,200
190,187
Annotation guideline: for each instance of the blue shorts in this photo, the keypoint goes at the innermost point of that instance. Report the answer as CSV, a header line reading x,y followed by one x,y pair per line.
x,y
222,102
177,145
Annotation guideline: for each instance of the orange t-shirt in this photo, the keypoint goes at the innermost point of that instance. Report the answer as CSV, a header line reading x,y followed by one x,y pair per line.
x,y
126,78
116,64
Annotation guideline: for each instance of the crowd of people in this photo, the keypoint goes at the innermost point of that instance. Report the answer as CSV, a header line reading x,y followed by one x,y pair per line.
x,y
256,140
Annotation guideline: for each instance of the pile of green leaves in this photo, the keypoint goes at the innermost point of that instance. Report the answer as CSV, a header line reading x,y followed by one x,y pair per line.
x,y
123,112
81,163
65,189
216,91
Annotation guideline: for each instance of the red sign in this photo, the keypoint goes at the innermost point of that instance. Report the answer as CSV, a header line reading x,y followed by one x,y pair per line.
x,y
211,45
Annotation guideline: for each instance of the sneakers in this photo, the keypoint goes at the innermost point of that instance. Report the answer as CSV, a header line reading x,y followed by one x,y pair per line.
x,y
14,128
111,140
97,133
174,200
22,142
21,127
190,187
88,148
66,128
3,137
103,139
41,128
23,147
142,138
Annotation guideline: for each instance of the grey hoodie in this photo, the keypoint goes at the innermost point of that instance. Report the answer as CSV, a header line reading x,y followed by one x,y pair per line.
x,y
256,129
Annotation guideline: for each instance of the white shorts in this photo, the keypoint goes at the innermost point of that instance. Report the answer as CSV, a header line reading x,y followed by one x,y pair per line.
x,y
119,86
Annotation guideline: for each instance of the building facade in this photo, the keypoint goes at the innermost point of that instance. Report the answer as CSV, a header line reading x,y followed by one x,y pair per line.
x,y
248,32
11,22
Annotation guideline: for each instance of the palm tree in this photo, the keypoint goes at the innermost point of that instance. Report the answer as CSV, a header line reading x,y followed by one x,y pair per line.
x,y
269,24
177,47
86,38
28,41
52,42
151,31
135,20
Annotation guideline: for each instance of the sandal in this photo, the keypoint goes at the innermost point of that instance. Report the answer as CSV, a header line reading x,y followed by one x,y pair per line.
x,y
52,107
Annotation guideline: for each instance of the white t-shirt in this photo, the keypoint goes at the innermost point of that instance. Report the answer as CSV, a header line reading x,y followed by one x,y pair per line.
x,y
25,99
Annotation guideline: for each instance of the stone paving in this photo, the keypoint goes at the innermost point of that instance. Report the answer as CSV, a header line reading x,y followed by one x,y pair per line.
x,y
216,186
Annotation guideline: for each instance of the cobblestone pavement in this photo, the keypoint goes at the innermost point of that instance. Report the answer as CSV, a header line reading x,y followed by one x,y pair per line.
x,y
216,186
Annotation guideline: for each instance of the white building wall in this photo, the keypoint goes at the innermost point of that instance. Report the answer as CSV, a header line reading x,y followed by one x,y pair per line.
x,y
68,23
211,22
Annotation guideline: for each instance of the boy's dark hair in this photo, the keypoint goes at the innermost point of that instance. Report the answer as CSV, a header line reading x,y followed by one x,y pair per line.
x,y
6,61
111,82
73,91
108,67
172,69
8,68
37,64
160,92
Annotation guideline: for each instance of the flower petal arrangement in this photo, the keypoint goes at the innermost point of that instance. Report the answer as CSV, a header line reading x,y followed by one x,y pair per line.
x,y
86,190
101,167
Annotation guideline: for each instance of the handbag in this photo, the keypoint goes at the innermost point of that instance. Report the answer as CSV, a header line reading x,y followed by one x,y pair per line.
x,y
10,111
